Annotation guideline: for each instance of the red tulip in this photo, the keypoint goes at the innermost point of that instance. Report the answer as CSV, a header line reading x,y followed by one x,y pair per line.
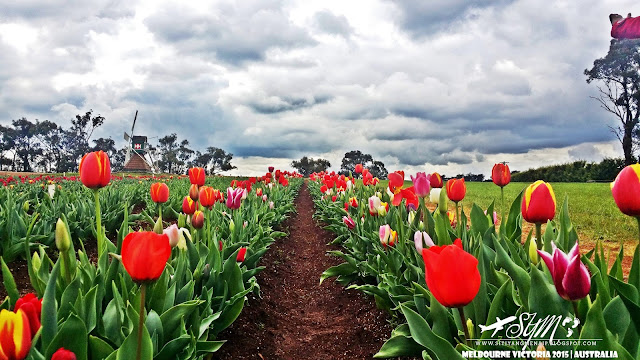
x,y
207,196
456,189
283,181
452,274
15,335
194,192
241,254
198,219
500,174
145,254
95,170
358,169
189,206
538,203
259,192
367,178
197,176
270,169
33,308
625,189
159,192
63,354
435,180
396,180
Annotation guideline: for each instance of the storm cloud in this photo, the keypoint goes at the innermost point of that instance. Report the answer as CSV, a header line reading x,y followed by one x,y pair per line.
x,y
450,86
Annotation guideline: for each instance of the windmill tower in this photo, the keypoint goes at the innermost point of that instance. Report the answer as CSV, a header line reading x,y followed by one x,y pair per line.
x,y
136,149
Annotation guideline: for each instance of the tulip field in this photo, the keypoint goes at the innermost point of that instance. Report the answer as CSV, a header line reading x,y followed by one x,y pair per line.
x,y
157,267
165,280
461,285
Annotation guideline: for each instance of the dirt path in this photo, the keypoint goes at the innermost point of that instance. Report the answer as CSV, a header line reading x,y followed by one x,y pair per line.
x,y
297,318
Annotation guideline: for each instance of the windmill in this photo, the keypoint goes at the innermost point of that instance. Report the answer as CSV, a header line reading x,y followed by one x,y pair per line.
x,y
138,145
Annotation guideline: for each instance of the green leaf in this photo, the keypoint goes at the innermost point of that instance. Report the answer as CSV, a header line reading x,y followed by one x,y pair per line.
x,y
72,336
422,334
400,344
519,276
98,348
130,345
338,270
208,347
172,317
174,347
49,310
595,328
9,284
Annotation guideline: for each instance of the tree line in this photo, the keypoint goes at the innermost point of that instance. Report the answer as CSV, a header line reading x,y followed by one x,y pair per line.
x,y
577,171
306,165
44,146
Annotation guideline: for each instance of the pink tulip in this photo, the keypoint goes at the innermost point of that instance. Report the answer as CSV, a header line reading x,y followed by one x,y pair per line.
x,y
234,197
421,184
418,240
570,275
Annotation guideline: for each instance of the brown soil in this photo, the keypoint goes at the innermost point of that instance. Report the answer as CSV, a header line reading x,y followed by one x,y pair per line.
x,y
298,318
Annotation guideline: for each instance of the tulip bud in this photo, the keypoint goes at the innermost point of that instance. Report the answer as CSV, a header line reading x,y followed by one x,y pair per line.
x,y
533,251
63,354
157,228
194,193
470,328
182,220
442,202
241,254
271,205
35,262
232,225
174,235
198,219
25,206
412,216
206,272
63,243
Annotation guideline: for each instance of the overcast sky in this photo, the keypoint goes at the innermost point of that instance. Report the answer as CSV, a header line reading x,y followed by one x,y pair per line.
x,y
450,85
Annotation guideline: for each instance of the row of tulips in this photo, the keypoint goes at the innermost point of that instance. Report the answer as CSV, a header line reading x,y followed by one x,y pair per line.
x,y
161,294
447,276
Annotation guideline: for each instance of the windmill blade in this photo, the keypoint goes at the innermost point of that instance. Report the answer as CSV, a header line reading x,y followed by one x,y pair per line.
x,y
134,122
126,136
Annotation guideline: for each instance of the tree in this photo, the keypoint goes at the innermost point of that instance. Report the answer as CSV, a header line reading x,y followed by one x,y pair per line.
x,y
26,147
378,170
168,153
77,141
354,157
619,73
306,166
220,160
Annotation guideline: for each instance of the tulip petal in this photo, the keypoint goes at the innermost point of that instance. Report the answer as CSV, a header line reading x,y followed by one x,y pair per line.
x,y
577,281
548,259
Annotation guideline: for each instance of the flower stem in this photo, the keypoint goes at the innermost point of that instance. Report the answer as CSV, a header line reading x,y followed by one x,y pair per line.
x,y
502,203
143,291
576,313
464,326
160,212
458,222
96,193
539,235
65,263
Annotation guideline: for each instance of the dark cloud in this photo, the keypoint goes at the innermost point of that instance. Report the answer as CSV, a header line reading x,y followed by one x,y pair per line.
x,y
423,18
330,23
282,104
235,32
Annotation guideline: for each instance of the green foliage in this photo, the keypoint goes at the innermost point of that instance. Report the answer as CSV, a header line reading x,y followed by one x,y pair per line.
x,y
577,171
